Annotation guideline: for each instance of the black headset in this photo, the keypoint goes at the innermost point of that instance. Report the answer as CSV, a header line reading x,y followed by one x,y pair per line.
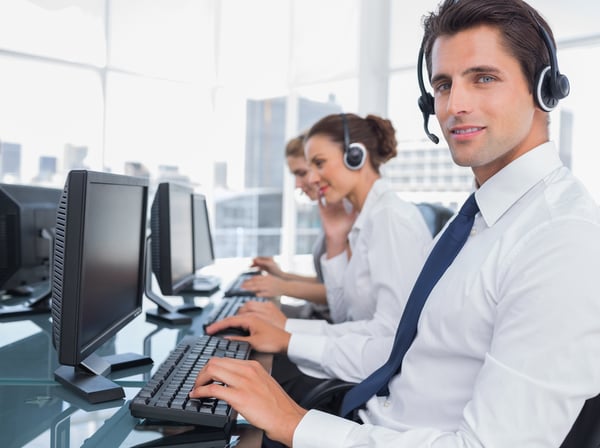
x,y
550,86
355,154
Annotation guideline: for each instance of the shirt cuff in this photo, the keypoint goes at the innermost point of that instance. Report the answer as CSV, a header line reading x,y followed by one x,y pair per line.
x,y
307,350
318,429
334,269
311,326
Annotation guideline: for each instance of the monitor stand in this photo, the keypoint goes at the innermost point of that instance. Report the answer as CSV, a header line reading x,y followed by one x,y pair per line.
x,y
88,379
166,312
25,304
203,285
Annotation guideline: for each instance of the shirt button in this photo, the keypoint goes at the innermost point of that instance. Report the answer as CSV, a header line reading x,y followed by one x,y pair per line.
x,y
387,403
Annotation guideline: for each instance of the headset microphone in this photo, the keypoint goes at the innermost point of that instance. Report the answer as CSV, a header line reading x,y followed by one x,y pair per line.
x,y
426,102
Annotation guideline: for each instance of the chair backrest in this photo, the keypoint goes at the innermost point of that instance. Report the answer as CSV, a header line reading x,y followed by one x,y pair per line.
x,y
435,216
585,433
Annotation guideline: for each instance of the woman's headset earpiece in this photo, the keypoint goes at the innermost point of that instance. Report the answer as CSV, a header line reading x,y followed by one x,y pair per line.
x,y
355,154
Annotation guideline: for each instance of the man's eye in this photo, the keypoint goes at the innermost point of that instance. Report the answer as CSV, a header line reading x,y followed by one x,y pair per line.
x,y
442,87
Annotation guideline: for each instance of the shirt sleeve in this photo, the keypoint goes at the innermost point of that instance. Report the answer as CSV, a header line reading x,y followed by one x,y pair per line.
x,y
333,278
310,326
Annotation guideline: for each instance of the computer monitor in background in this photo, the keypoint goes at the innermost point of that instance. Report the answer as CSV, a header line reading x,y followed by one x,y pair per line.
x,y
27,220
171,243
204,254
98,278
203,250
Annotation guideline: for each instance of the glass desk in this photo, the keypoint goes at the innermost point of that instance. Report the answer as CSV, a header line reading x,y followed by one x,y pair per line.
x,y
35,411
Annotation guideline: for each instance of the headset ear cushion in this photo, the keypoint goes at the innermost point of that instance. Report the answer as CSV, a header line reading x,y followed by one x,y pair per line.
x,y
544,96
563,87
427,104
355,156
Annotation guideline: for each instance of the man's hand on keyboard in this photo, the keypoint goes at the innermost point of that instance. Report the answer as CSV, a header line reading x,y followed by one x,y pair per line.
x,y
251,391
264,336
265,310
265,285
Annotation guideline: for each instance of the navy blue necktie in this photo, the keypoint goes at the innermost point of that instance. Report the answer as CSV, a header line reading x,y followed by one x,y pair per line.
x,y
441,256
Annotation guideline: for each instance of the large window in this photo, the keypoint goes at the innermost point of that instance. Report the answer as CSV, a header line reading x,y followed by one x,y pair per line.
x,y
208,92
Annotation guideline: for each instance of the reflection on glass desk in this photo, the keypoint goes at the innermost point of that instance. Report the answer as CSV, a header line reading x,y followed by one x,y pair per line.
x,y
36,411
52,417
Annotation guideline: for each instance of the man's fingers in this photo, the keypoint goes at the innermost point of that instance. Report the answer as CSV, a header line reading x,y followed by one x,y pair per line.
x,y
228,322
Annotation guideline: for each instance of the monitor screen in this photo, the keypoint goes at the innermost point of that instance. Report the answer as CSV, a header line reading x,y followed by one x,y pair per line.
x,y
25,212
203,245
98,279
172,241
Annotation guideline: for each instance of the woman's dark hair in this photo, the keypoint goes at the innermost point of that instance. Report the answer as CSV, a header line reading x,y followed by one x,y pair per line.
x,y
518,23
376,133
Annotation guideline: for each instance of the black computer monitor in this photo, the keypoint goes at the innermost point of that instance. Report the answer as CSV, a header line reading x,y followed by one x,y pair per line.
x,y
204,253
98,278
27,220
172,240
203,249
171,243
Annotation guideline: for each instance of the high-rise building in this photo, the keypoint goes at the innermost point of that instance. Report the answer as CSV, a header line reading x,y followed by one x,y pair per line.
x,y
46,170
10,162
220,174
427,173
170,173
137,169
74,157
265,137
249,223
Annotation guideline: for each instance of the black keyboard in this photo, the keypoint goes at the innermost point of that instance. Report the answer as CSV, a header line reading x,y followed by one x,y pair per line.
x,y
229,306
165,396
235,288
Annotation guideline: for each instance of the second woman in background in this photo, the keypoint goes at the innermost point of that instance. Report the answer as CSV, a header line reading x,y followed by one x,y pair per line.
x,y
369,266
277,282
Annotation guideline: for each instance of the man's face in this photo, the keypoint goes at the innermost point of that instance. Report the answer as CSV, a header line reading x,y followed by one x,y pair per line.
x,y
482,101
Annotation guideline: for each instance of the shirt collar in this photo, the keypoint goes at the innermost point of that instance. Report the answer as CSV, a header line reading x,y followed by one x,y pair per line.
x,y
509,184
379,187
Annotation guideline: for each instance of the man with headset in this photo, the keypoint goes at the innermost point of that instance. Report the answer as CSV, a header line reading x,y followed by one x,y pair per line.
x,y
507,346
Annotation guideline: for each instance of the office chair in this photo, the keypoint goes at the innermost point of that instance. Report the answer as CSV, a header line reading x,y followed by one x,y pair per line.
x,y
435,216
327,396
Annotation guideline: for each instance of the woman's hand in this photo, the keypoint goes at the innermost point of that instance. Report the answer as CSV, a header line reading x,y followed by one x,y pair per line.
x,y
267,264
265,285
337,223
267,311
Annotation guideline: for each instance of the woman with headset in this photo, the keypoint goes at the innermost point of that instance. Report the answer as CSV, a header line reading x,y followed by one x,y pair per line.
x,y
370,263
277,282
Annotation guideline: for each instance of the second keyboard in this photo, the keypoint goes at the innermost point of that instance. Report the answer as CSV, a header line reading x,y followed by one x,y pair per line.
x,y
229,306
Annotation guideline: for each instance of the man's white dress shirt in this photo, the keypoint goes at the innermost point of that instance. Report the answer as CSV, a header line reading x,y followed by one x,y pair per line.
x,y
508,344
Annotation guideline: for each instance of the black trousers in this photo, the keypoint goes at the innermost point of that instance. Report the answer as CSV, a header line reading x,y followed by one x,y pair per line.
x,y
297,384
